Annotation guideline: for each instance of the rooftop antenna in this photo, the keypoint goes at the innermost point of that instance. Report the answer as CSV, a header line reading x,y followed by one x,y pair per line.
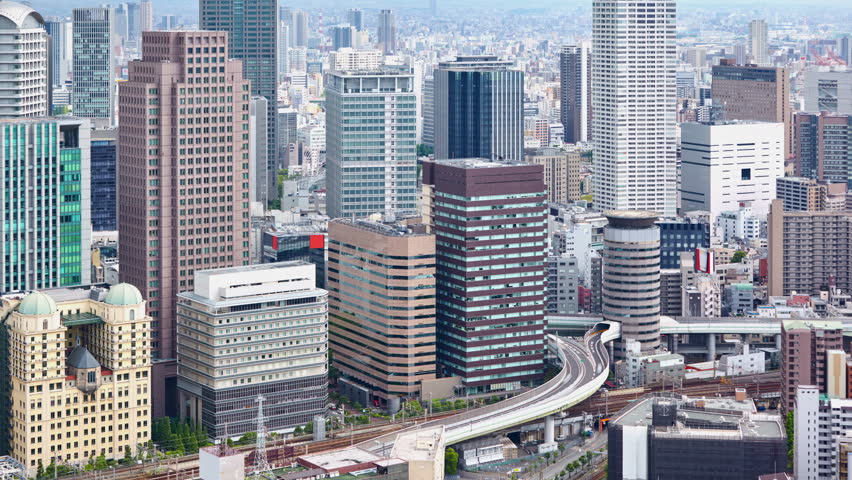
x,y
261,465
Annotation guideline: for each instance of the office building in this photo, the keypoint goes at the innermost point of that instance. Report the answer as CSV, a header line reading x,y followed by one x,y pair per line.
x,y
749,92
562,285
673,436
355,17
671,295
378,176
561,172
821,424
197,213
804,357
120,15
146,16
635,136
640,368
382,306
347,59
283,50
702,298
104,199
387,32
305,243
264,177
758,39
253,38
824,146
828,91
46,203
24,52
741,225
94,348
428,110
61,50
272,308
740,53
681,235
575,92
631,277
94,78
478,109
491,287
808,249
168,22
342,36
297,25
807,194
727,165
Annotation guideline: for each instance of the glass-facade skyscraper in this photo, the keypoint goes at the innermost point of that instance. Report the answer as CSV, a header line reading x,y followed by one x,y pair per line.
x,y
371,144
45,205
94,63
103,180
478,110
252,28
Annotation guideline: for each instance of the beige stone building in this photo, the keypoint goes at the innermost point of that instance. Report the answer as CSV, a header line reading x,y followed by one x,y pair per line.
x,y
79,373
561,172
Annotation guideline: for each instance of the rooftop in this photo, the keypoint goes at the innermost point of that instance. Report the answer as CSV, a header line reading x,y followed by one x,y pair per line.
x,y
480,163
337,459
254,268
387,228
809,324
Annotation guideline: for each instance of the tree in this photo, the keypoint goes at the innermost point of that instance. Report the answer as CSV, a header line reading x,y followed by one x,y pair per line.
x,y
101,462
459,404
791,431
298,431
40,470
738,256
309,428
191,444
451,462
128,457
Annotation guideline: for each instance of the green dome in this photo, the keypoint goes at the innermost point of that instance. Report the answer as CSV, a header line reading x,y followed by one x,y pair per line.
x,y
37,303
123,294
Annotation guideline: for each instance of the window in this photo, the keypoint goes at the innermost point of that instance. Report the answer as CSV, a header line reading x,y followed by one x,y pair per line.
x,y
91,377
745,174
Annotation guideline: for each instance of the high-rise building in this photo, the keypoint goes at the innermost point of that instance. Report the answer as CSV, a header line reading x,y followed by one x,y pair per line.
x,y
748,92
726,165
808,250
193,183
24,54
821,449
253,37
562,285
380,175
631,277
804,355
104,151
828,91
758,39
681,235
297,23
47,227
561,172
382,305
479,109
283,50
94,65
809,195
428,109
740,53
168,22
134,15
122,27
279,311
824,146
635,135
387,32
94,348
347,59
146,16
355,17
575,92
490,222
61,53
264,178
342,36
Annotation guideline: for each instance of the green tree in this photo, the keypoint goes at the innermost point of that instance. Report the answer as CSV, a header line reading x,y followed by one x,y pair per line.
x,y
176,444
298,431
309,428
575,464
40,470
451,462
738,256
128,457
459,404
165,429
791,432
423,150
101,462
191,444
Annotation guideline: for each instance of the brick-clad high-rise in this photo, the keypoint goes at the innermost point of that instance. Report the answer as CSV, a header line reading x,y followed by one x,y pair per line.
x,y
489,221
183,169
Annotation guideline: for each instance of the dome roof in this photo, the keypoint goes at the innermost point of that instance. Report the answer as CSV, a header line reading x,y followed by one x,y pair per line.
x,y
19,15
82,358
123,294
37,303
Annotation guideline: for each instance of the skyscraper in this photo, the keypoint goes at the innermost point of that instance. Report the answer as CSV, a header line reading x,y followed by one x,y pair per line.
x,y
355,17
747,92
297,22
24,54
631,277
47,227
342,36
94,65
575,99
263,183
60,55
253,35
387,32
378,175
490,223
479,109
758,38
104,150
283,50
183,169
824,146
634,134
146,16
428,109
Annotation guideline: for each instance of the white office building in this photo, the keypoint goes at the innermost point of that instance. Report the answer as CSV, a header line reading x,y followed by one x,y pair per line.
x,y
634,103
758,37
740,224
828,91
23,53
727,165
351,59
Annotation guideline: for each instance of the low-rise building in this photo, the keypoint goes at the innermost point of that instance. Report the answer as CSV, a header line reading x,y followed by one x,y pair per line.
x,y
562,284
648,368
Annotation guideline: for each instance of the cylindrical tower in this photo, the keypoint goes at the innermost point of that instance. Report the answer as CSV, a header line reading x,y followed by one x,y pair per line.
x,y
631,277
23,55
